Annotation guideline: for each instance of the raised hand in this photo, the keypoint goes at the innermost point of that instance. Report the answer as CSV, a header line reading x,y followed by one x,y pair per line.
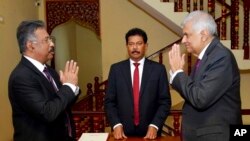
x,y
70,73
176,60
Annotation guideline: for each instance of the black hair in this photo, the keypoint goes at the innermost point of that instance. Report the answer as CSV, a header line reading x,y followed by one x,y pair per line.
x,y
136,31
26,30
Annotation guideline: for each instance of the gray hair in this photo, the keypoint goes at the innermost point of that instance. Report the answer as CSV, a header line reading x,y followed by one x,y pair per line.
x,y
26,32
201,20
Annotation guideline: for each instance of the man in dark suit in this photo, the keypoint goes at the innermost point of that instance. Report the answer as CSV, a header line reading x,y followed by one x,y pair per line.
x,y
212,91
153,96
41,100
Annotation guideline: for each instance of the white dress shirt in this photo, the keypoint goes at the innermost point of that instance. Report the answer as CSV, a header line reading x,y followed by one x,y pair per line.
x,y
41,67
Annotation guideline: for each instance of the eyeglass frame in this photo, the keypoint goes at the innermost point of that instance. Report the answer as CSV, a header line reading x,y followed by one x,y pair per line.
x,y
47,39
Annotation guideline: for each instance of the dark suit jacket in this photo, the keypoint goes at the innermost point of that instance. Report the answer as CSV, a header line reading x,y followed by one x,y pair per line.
x,y
155,100
212,96
38,112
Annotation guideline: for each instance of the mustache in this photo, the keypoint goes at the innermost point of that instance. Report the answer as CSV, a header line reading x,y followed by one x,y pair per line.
x,y
52,50
135,51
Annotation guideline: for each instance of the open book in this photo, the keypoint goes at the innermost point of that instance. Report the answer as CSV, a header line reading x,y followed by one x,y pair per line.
x,y
94,137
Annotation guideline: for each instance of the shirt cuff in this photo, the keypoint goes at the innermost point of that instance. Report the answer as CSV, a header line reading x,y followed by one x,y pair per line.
x,y
154,126
74,88
173,74
117,125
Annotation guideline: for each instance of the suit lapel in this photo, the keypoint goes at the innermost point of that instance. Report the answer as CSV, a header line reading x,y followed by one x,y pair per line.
x,y
28,64
201,68
145,75
125,68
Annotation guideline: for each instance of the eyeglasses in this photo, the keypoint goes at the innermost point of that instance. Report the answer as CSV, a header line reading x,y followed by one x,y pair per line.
x,y
48,40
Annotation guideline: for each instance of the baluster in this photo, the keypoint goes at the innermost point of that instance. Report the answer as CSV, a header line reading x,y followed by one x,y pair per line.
x,y
218,28
175,5
201,5
235,24
180,8
246,29
78,128
176,124
188,6
87,124
98,124
96,89
223,22
233,17
96,85
195,5
99,101
211,7
89,89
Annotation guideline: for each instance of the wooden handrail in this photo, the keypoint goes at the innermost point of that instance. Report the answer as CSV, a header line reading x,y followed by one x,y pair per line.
x,y
224,3
163,49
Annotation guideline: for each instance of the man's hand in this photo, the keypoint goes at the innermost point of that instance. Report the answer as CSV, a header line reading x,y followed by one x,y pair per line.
x,y
151,133
176,60
118,133
70,73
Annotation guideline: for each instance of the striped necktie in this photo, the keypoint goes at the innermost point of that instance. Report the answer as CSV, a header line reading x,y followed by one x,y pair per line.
x,y
51,80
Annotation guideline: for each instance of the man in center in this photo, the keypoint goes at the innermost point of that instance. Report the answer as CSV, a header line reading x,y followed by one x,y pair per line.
x,y
137,100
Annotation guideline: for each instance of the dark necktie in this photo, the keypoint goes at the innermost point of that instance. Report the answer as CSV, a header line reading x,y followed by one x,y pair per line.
x,y
136,94
50,79
197,65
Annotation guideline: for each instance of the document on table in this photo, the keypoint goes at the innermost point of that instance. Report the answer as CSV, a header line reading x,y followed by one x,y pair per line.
x,y
94,137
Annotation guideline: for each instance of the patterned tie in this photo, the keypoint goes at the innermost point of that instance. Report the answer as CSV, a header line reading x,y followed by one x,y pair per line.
x,y
49,77
51,80
136,94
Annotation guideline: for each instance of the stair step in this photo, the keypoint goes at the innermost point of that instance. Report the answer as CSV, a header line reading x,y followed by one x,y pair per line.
x,y
164,12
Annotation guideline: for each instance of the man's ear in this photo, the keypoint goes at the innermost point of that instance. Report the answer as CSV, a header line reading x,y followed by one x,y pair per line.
x,y
29,45
204,34
146,46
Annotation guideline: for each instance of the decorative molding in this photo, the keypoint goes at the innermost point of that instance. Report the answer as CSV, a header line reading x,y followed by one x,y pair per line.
x,y
83,12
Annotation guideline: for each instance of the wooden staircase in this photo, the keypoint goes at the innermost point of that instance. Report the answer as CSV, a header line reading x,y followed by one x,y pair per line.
x,y
165,13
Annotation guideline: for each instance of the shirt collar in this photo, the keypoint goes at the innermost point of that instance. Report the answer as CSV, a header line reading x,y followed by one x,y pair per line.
x,y
36,63
141,61
203,52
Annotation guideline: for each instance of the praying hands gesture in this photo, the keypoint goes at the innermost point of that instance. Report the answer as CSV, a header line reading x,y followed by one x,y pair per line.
x,y
70,73
176,60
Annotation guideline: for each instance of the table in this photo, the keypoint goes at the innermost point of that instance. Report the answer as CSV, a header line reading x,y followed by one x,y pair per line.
x,y
163,138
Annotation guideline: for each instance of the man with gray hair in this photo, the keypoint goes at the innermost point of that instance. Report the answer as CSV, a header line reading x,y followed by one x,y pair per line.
x,y
212,91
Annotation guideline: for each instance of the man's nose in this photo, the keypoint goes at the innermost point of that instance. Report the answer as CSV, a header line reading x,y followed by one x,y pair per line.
x,y
184,39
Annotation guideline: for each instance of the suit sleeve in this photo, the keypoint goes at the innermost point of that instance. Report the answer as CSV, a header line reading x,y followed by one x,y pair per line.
x,y
211,85
164,99
30,92
110,103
